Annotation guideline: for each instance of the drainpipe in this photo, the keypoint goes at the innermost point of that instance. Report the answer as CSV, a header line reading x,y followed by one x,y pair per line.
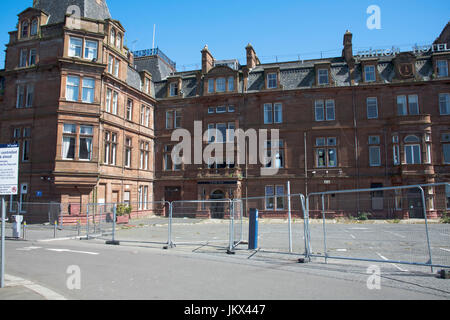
x,y
356,146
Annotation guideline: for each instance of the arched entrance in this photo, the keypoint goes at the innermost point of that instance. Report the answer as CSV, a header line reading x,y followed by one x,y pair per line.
x,y
217,208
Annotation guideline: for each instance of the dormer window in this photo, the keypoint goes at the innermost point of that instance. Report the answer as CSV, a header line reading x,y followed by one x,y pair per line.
x,y
174,89
221,85
272,81
369,74
25,27
323,76
230,84
211,86
34,27
442,68
146,85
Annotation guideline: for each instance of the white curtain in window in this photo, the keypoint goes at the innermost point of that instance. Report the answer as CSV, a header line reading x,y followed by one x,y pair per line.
x,y
75,47
88,90
72,88
85,148
68,147
90,50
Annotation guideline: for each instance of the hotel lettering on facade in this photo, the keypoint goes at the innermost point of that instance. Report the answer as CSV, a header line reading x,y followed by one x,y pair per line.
x,y
95,120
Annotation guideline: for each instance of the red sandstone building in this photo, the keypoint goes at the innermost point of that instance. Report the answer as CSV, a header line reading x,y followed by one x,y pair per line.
x,y
95,120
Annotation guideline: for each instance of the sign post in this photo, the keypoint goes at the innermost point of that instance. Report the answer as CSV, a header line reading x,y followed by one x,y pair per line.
x,y
9,181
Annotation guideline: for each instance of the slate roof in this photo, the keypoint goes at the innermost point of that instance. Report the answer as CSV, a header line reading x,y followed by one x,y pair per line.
x,y
159,69
57,9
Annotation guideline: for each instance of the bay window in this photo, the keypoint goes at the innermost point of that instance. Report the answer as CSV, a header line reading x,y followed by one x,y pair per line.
x,y
72,88
412,150
90,49
75,47
86,135
69,136
88,90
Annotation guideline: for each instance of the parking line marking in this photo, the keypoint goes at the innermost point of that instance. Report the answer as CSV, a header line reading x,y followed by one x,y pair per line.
x,y
445,249
396,234
73,251
352,236
384,258
28,248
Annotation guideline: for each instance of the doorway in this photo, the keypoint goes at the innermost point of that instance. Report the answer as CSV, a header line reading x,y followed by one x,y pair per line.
x,y
217,208
415,204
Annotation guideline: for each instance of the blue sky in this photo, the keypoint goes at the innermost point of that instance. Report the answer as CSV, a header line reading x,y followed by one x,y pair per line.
x,y
280,30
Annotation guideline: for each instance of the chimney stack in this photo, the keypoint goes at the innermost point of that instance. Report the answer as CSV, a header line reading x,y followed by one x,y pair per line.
x,y
207,60
347,52
252,59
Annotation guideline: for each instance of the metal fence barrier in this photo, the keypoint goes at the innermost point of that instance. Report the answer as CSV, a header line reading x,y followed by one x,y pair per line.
x,y
202,222
389,225
143,222
398,225
45,220
281,223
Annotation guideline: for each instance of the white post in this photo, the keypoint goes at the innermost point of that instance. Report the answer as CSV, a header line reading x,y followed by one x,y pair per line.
x,y
154,31
289,215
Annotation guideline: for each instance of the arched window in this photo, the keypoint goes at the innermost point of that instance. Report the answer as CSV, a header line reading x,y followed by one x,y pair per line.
x,y
412,139
34,27
118,40
24,29
113,37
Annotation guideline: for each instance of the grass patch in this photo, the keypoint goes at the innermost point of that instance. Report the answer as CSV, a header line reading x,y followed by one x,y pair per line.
x,y
445,217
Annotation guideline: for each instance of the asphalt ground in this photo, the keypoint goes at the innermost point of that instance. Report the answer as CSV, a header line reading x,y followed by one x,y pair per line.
x,y
138,271
372,240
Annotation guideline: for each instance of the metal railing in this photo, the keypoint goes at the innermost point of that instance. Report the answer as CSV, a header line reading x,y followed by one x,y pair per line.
x,y
394,242
282,223
154,52
359,225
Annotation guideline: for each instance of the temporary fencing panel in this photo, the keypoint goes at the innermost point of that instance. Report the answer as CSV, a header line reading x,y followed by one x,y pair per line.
x,y
143,222
45,220
207,222
378,224
281,227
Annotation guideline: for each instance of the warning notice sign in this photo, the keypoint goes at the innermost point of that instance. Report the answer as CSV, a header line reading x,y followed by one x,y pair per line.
x,y
9,169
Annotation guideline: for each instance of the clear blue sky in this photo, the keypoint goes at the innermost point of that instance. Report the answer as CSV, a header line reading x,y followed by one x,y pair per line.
x,y
283,28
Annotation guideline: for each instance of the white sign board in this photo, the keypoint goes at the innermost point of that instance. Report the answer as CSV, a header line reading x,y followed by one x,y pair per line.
x,y
9,169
